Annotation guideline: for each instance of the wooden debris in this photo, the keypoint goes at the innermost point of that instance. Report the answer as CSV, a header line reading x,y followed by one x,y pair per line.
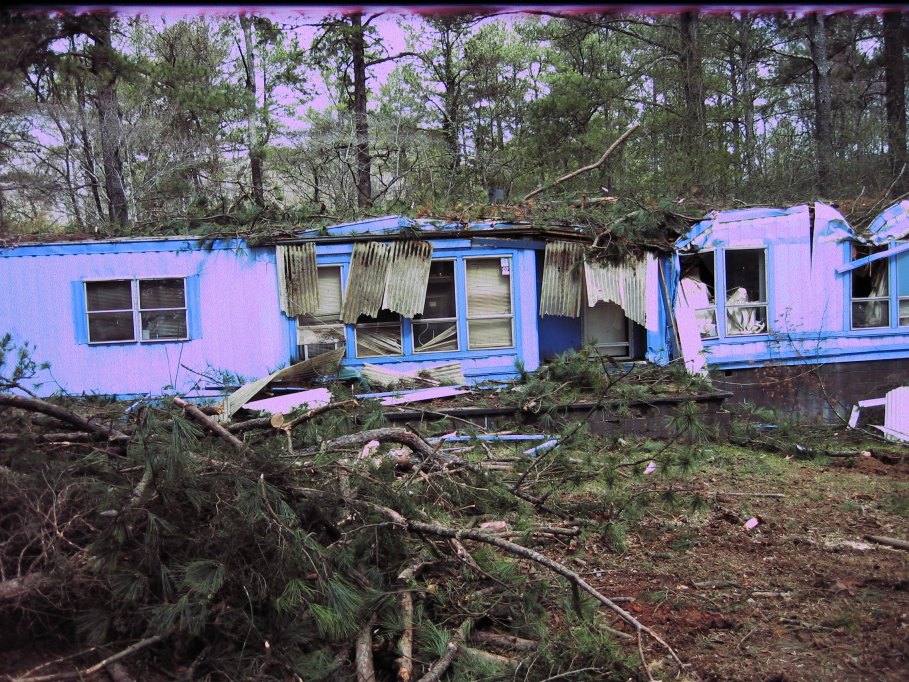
x,y
210,424
889,542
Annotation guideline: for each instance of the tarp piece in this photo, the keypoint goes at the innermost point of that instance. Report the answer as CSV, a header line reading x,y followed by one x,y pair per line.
x,y
561,293
408,275
626,285
298,284
366,281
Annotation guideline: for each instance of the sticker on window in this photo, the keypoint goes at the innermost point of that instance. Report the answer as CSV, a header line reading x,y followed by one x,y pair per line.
x,y
506,266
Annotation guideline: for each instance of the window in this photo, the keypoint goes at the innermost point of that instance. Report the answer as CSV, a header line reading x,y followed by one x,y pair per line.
x,y
698,276
746,292
437,328
606,326
125,310
744,279
379,336
489,311
323,330
870,289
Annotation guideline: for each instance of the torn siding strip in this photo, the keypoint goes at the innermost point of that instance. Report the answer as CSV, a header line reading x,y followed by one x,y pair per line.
x,y
408,275
298,284
561,293
626,285
366,281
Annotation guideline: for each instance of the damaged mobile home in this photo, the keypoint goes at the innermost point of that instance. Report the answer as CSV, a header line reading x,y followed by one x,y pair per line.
x,y
465,302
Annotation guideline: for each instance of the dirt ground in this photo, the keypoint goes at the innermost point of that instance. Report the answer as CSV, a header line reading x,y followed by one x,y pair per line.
x,y
801,596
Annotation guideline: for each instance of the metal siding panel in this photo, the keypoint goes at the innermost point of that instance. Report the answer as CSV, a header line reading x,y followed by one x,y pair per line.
x,y
298,284
365,281
561,293
625,285
407,277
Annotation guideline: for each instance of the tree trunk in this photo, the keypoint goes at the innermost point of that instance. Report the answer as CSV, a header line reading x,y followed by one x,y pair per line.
x,y
89,160
695,128
364,160
252,123
895,97
109,115
823,99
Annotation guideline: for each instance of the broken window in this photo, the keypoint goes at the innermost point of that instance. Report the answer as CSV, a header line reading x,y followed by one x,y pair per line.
x,y
437,328
697,287
746,292
379,336
606,325
870,289
489,309
129,310
322,331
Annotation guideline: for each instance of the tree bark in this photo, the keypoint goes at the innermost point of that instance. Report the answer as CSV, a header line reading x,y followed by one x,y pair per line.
x,y
109,116
823,98
693,91
895,97
252,122
357,43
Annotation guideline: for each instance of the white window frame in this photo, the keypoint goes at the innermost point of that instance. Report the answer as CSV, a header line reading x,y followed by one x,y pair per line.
x,y
765,304
136,310
712,308
469,317
626,344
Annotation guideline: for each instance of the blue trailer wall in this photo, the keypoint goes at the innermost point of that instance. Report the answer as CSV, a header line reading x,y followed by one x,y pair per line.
x,y
235,323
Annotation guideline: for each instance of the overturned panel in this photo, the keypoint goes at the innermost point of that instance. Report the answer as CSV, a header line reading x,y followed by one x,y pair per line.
x,y
366,281
298,284
408,274
561,293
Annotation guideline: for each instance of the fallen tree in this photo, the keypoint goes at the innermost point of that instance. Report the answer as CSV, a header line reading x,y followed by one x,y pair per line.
x,y
225,553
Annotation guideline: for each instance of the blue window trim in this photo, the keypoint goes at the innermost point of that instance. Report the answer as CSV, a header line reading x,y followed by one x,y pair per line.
x,y
892,253
193,293
719,302
459,257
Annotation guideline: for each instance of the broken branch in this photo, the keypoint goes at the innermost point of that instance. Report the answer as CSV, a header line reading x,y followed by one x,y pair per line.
x,y
890,542
524,552
64,415
268,422
80,674
210,424
579,171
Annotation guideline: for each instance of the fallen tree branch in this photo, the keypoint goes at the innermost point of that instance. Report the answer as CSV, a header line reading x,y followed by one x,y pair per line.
x,y
79,674
269,422
14,588
624,136
393,435
210,424
365,670
439,667
505,641
525,553
61,413
890,542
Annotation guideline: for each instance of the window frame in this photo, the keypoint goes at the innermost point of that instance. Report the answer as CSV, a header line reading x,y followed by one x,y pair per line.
x,y
136,310
430,320
892,299
468,318
721,306
765,304
302,348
